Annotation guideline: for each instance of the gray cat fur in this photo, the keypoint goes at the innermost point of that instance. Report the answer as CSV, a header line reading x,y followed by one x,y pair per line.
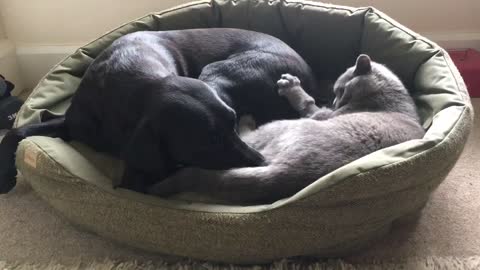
x,y
372,110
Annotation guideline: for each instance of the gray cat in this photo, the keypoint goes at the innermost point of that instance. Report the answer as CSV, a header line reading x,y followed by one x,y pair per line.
x,y
372,110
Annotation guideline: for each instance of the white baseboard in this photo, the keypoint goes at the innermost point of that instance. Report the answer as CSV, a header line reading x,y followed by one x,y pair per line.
x,y
36,60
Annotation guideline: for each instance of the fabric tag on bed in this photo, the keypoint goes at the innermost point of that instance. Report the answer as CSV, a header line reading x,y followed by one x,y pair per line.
x,y
30,157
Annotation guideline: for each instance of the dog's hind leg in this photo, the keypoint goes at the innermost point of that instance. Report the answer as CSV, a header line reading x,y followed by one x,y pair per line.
x,y
249,87
9,144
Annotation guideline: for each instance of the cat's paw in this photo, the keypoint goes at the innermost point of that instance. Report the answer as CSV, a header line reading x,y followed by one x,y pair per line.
x,y
286,83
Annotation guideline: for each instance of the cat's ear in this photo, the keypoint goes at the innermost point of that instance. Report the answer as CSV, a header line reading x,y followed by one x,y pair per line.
x,y
363,65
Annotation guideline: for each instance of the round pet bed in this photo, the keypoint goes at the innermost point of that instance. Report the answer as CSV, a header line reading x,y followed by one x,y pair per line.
x,y
336,214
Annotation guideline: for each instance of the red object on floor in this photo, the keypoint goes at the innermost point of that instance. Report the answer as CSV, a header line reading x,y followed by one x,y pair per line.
x,y
468,63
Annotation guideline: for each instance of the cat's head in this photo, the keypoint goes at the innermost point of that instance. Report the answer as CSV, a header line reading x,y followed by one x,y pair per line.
x,y
370,86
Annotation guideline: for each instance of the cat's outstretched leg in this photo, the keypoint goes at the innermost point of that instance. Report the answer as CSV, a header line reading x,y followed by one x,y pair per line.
x,y
290,87
242,185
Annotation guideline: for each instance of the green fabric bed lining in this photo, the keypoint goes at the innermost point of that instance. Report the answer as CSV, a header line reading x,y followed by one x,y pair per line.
x,y
100,170
420,64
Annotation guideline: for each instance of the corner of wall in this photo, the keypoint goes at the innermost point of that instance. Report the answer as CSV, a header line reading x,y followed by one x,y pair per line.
x,y
8,61
9,65
35,60
2,30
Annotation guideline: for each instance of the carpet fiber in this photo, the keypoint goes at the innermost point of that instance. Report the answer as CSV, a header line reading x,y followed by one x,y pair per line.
x,y
424,264
445,236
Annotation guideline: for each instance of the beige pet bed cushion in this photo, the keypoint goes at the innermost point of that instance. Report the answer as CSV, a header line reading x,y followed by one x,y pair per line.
x,y
339,212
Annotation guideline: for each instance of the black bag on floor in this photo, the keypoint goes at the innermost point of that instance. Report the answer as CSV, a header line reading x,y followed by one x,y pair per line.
x,y
9,105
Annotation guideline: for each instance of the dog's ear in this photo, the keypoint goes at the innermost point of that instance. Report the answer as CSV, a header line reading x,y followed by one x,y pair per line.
x,y
6,87
10,86
145,158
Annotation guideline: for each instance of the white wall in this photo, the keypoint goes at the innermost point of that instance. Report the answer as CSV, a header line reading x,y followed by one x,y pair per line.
x,y
77,21
8,61
2,32
428,16
71,21
46,30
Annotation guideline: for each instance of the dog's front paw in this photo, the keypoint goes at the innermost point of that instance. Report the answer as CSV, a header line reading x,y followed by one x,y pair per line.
x,y
8,171
8,179
286,83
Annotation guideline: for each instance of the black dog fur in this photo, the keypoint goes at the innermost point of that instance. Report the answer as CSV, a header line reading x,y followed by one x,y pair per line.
x,y
159,100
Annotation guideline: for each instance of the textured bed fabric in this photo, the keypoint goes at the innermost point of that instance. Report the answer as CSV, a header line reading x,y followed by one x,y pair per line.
x,y
338,213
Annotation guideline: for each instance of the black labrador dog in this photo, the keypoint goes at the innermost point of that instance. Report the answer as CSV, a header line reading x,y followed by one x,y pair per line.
x,y
160,100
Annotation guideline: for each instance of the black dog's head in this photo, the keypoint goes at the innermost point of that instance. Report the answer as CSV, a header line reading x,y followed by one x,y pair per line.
x,y
196,128
201,129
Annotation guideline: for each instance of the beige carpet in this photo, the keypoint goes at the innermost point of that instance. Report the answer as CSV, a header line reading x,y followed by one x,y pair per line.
x,y
445,236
